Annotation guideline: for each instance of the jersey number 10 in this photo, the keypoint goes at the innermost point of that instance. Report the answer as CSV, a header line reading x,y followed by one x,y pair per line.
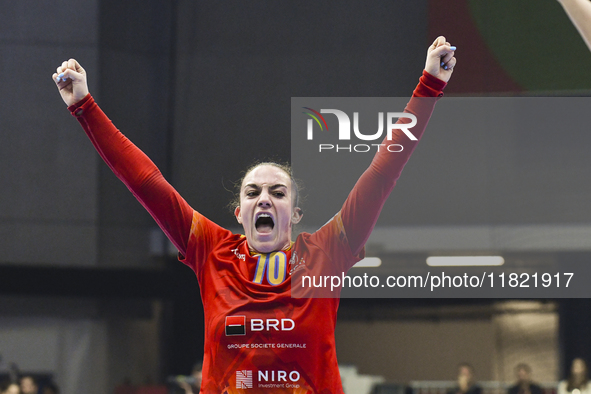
x,y
275,265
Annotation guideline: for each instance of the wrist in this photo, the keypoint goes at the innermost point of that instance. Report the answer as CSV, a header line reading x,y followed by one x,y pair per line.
x,y
433,82
79,103
429,86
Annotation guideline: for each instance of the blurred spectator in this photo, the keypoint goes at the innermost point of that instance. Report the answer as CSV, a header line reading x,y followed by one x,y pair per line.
x,y
193,385
524,383
9,388
29,385
578,379
50,388
466,381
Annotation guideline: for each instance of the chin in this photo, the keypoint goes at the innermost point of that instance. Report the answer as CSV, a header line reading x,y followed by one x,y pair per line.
x,y
266,247
267,243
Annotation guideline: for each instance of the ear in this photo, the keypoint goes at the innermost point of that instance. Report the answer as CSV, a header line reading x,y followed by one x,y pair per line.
x,y
297,215
238,214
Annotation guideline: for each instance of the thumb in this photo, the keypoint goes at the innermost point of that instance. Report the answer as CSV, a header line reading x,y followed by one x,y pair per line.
x,y
75,76
442,50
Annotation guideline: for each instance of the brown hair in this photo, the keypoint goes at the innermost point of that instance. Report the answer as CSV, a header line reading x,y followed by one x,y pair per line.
x,y
285,167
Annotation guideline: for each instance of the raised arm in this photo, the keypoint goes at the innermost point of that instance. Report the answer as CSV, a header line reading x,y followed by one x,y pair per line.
x,y
127,161
579,12
362,208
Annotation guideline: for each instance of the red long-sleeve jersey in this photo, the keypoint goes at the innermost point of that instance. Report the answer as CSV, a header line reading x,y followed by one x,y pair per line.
x,y
258,338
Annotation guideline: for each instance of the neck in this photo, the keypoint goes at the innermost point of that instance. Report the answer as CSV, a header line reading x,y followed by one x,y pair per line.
x,y
285,247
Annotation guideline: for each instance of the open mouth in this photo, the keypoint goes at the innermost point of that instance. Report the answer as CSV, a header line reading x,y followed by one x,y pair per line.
x,y
264,223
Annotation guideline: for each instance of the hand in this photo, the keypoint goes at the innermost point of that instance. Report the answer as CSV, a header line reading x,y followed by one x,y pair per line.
x,y
186,386
70,79
440,59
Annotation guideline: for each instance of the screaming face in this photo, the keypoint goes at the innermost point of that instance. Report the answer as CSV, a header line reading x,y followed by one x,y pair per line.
x,y
266,209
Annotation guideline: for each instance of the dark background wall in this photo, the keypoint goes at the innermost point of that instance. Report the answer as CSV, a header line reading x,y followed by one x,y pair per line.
x,y
238,67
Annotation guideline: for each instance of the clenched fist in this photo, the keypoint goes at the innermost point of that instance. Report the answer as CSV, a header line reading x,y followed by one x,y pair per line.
x,y
70,78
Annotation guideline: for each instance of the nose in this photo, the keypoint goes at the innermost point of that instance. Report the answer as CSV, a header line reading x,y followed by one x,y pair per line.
x,y
264,199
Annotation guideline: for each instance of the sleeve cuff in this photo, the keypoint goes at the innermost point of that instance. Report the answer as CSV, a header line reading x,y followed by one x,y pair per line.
x,y
429,86
78,108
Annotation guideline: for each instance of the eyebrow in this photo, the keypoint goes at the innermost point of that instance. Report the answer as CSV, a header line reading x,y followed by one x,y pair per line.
x,y
273,187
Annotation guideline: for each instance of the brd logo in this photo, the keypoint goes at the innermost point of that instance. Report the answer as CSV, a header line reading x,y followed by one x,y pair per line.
x,y
236,325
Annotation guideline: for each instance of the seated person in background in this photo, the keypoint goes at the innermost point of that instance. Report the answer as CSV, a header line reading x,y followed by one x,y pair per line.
x,y
524,383
466,382
578,379
29,385
50,388
9,388
193,386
